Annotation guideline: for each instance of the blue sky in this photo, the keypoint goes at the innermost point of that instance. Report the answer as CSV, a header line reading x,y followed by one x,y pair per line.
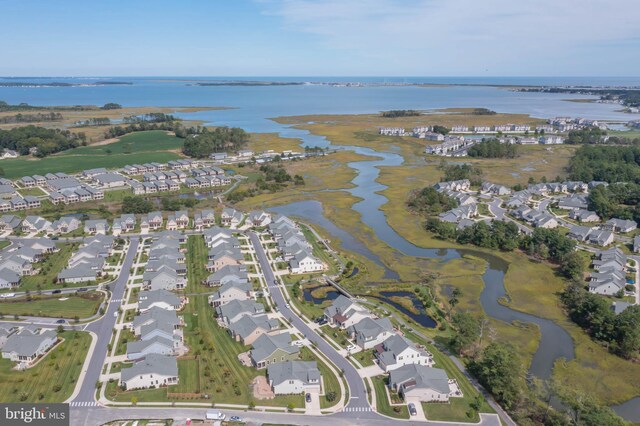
x,y
320,37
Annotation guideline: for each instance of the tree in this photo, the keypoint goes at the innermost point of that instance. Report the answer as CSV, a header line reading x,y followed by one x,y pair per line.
x,y
467,331
500,371
137,205
111,105
573,265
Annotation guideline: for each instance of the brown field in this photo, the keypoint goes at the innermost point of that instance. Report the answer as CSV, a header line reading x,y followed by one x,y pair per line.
x,y
96,133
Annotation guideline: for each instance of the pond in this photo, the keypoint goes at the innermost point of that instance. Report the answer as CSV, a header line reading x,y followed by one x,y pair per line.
x,y
329,295
420,317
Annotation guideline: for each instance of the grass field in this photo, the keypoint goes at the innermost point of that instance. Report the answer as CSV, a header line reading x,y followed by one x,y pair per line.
x,y
49,270
82,306
89,157
53,379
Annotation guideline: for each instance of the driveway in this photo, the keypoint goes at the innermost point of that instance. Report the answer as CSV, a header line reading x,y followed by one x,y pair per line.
x,y
370,371
420,414
313,407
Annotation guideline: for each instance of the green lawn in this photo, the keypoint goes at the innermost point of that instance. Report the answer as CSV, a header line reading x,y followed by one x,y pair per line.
x,y
82,305
49,270
457,410
126,336
382,402
36,192
146,147
53,379
149,141
365,358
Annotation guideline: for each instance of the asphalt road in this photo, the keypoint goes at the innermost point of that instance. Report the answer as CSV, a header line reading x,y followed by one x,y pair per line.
x,y
357,390
103,329
87,416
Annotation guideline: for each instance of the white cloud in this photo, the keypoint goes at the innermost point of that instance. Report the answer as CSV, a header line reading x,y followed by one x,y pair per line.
x,y
488,32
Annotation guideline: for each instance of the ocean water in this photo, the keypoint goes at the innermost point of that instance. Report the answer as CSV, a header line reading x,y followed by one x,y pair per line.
x,y
253,106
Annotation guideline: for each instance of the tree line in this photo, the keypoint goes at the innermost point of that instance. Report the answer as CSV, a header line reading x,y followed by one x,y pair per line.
x,y
220,139
606,163
94,121
400,113
585,136
31,118
492,148
544,244
620,334
620,200
152,117
44,141
430,202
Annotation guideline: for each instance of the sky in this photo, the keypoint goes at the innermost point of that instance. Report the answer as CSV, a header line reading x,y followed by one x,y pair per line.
x,y
320,38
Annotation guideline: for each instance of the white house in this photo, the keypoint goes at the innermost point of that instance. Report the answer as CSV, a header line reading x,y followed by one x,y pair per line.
x,y
152,371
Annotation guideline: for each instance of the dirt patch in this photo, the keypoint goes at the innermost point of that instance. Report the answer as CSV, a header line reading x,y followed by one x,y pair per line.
x,y
261,388
245,359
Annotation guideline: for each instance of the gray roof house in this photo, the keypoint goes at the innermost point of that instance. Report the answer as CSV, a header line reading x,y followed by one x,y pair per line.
x,y
397,351
370,332
26,345
344,313
9,278
231,290
268,350
293,377
234,310
421,382
156,345
152,371
620,225
249,327
227,274
158,299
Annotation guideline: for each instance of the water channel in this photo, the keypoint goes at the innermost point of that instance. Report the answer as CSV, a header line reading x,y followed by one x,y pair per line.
x,y
555,342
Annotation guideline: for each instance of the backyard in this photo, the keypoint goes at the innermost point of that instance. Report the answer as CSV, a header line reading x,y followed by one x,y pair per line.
x,y
52,379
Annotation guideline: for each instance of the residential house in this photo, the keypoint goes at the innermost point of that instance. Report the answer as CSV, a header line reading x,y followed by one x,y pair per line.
x,y
370,332
397,351
422,383
152,371
269,350
231,217
97,226
249,327
234,310
294,377
27,345
345,313
620,225
162,299
231,290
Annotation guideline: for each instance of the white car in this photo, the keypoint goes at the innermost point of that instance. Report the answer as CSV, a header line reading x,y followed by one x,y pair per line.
x,y
297,343
351,348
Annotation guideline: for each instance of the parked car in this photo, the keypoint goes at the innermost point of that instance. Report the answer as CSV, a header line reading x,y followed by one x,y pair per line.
x,y
80,290
307,397
56,292
297,343
351,348
61,321
235,419
412,409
